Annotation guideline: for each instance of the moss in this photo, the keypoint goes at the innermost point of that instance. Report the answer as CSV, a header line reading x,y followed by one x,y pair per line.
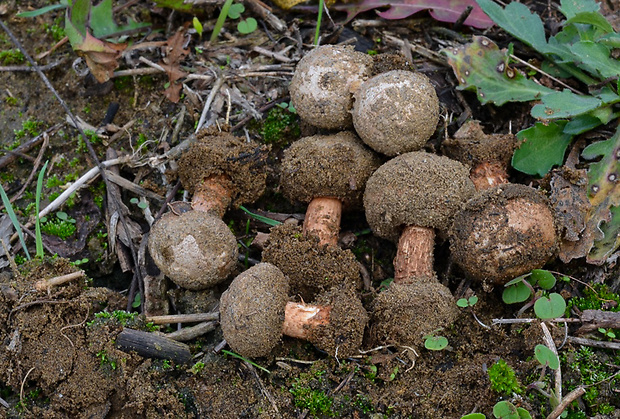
x,y
503,379
280,127
595,297
12,57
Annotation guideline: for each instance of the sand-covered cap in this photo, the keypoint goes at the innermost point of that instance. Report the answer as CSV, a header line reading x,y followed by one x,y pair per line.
x,y
195,249
323,84
502,233
396,112
336,165
252,310
418,189
221,153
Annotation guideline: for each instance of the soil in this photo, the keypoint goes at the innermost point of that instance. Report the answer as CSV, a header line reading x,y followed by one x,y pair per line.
x,y
58,352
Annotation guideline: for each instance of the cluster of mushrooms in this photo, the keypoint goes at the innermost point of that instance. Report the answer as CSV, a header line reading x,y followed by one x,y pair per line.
x,y
306,286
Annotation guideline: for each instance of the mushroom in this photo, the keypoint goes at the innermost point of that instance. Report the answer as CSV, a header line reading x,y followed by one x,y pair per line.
x,y
396,112
502,233
311,268
196,249
328,172
487,155
255,312
406,199
323,84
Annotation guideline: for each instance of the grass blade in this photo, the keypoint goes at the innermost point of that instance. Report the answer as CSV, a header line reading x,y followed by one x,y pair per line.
x,y
234,355
219,24
260,218
39,239
14,220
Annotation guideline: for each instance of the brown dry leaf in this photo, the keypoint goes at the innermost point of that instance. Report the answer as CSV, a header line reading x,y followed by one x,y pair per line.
x,y
570,202
174,53
101,56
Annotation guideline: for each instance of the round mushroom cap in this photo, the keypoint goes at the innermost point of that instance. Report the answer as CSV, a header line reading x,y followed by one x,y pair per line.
x,y
502,233
405,313
336,165
396,112
252,310
342,335
311,268
195,250
417,188
323,84
221,153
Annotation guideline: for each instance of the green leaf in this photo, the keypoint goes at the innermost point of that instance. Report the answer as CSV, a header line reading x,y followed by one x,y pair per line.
x,y
235,10
483,67
581,124
37,204
516,293
462,302
63,4
571,8
611,40
545,356
550,308
249,361
435,343
219,24
9,210
604,247
474,416
542,147
595,58
564,104
517,20
543,278
472,300
197,25
593,18
246,26
178,5
505,410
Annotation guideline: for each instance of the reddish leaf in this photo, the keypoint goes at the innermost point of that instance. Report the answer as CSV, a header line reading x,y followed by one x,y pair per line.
x,y
174,53
442,10
100,56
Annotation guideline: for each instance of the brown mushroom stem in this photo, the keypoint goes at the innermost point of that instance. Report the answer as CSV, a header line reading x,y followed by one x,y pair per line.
x,y
414,255
488,174
323,219
213,195
301,319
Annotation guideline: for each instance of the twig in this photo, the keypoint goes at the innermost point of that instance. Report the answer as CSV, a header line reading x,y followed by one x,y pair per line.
x,y
57,280
525,63
594,343
558,372
263,389
27,146
184,318
29,69
4,403
189,333
21,389
519,321
570,397
216,87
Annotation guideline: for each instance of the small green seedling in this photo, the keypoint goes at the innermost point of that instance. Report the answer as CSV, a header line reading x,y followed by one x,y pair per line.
x,y
197,26
435,343
546,357
507,410
287,106
233,11
470,303
609,333
521,289
142,204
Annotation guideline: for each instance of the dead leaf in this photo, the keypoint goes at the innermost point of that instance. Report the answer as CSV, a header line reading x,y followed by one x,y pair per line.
x,y
174,53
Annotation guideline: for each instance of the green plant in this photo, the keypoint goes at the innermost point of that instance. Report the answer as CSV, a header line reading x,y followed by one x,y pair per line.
x,y
433,342
308,394
235,355
504,379
11,213
280,126
581,50
521,289
39,239
197,368
233,11
12,57
29,127
105,360
608,333
63,226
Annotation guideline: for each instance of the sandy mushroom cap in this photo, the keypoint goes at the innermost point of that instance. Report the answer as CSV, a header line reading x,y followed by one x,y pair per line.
x,y
396,112
417,188
252,310
195,250
503,233
323,84
221,153
335,165
404,313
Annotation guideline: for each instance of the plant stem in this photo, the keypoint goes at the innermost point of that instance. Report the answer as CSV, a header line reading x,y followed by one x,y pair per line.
x,y
220,20
318,23
39,239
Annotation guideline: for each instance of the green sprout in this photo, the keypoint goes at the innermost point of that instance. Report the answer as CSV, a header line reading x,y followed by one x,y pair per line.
x,y
62,227
233,11
433,342
521,289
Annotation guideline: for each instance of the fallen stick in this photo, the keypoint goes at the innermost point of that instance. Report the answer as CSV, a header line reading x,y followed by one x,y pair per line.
x,y
189,333
45,284
150,345
183,318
